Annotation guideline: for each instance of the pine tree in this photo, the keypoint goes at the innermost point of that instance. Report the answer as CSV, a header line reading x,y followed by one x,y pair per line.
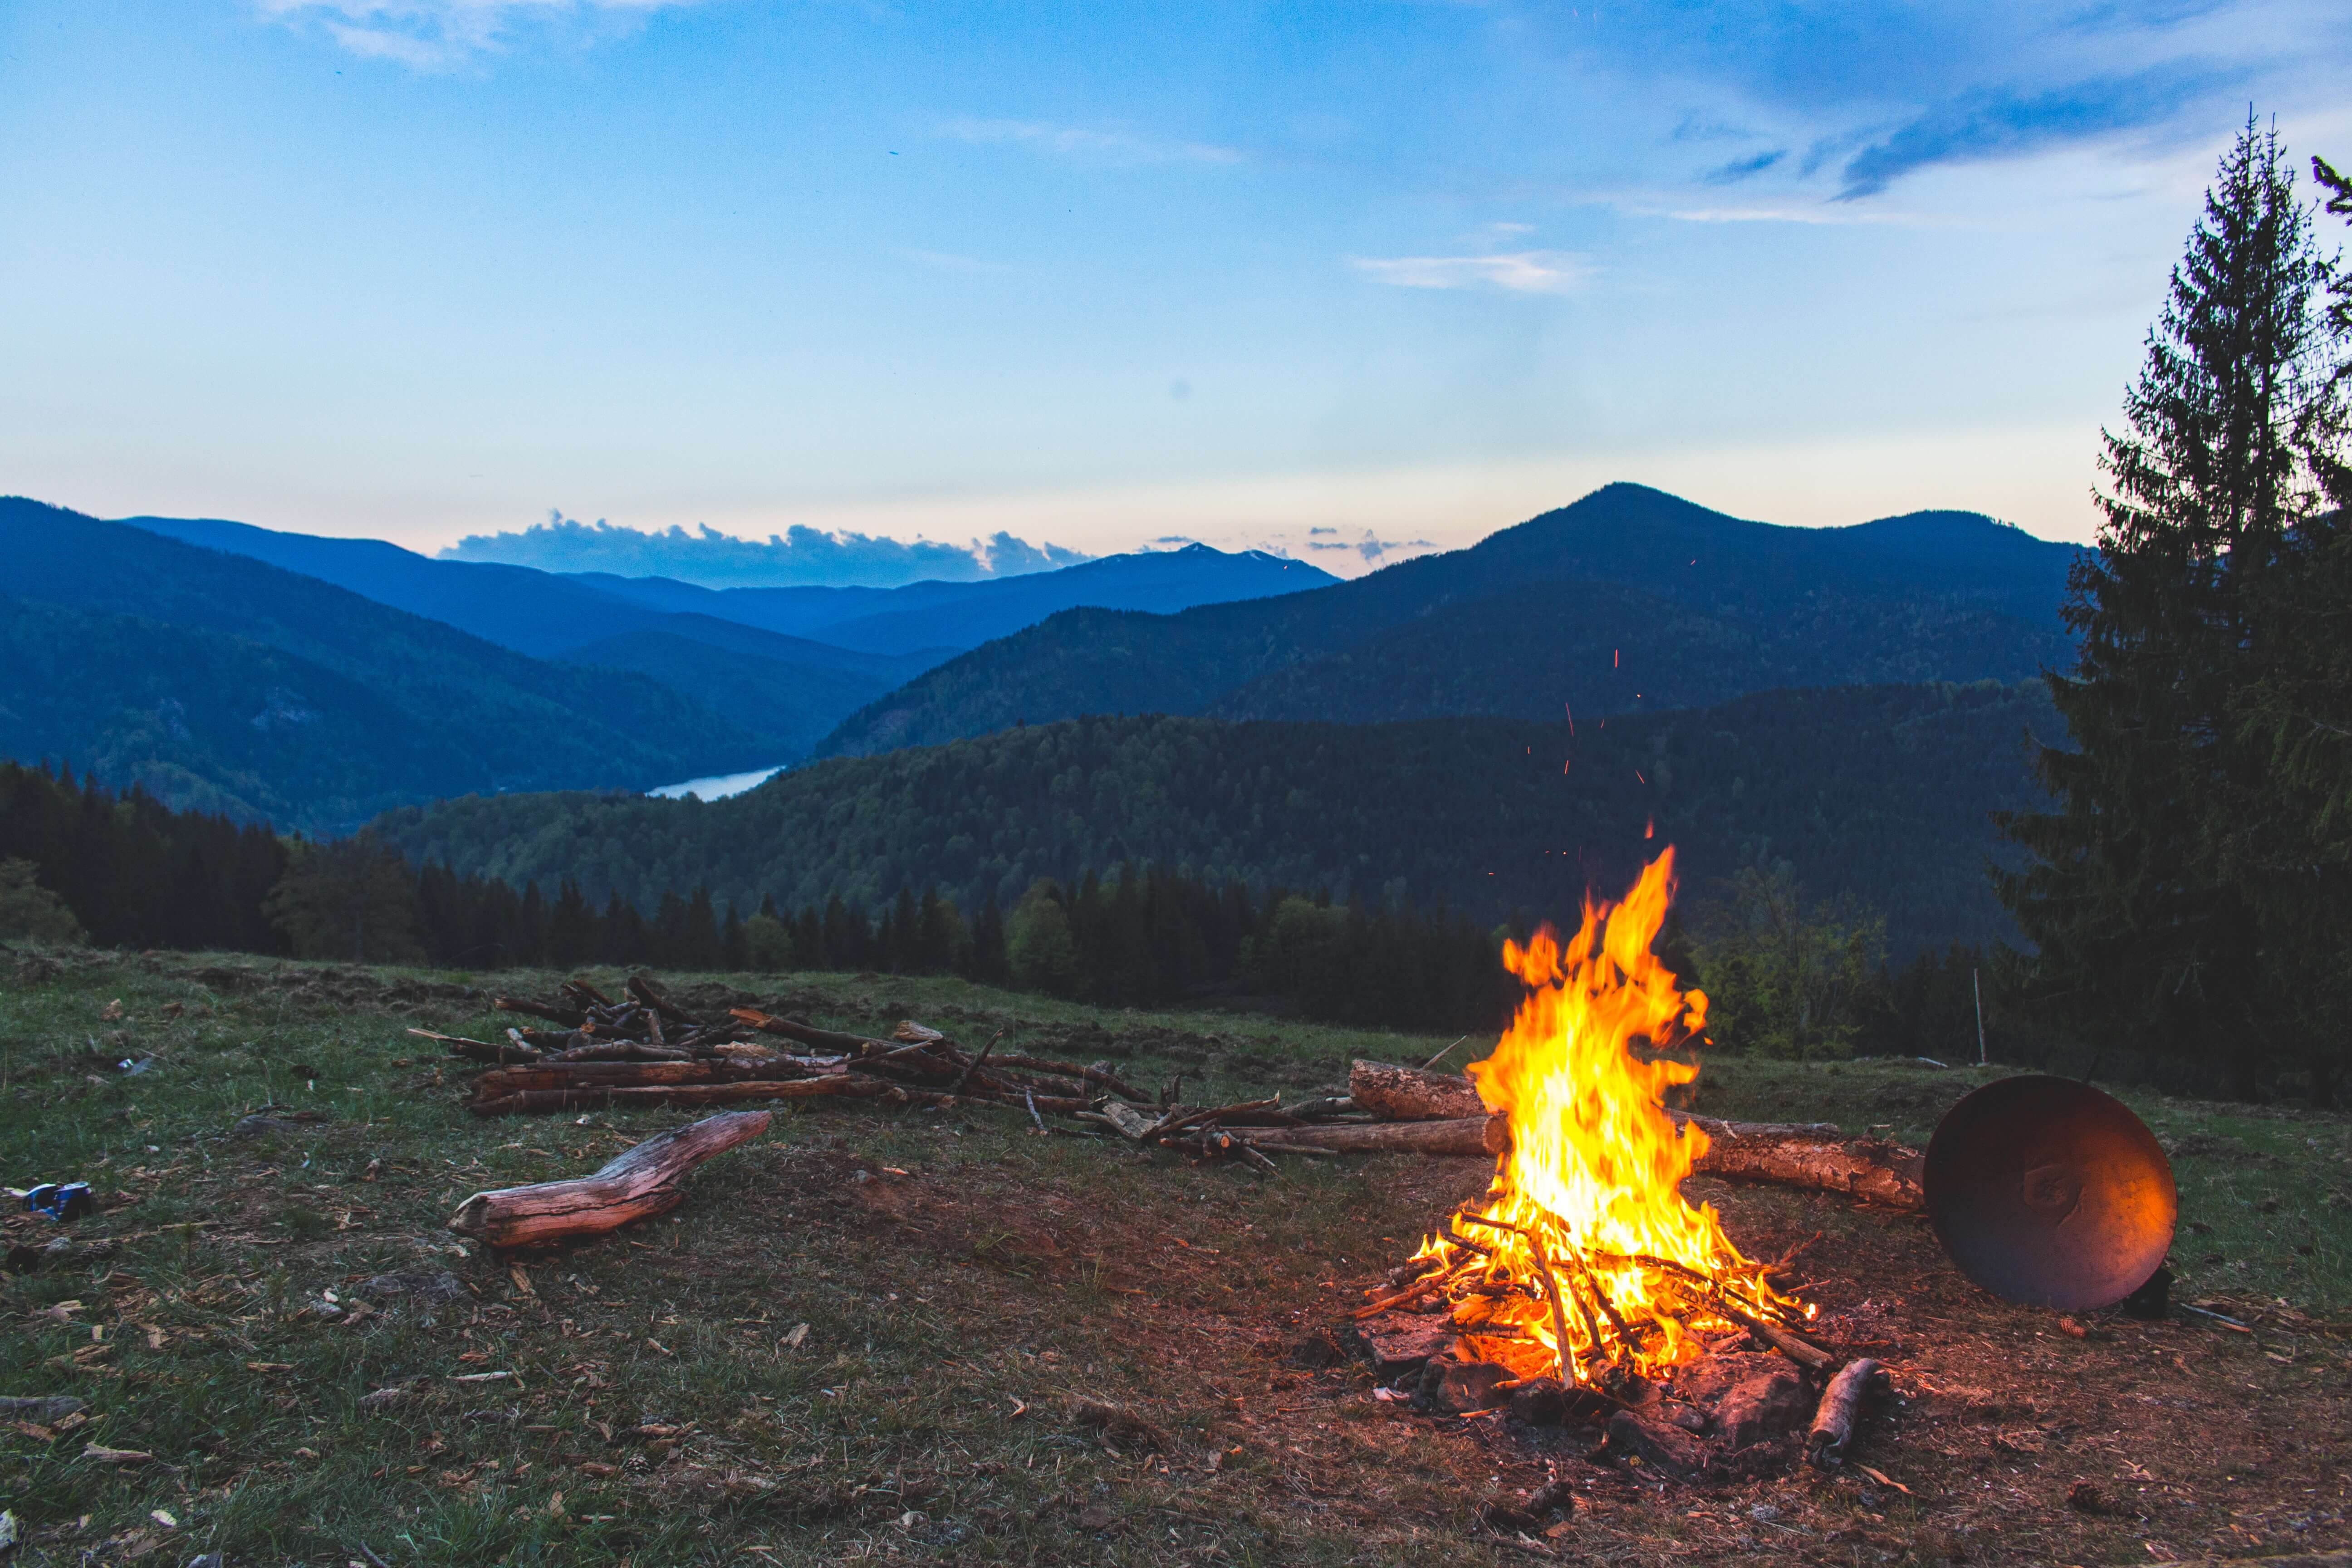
x,y
2145,934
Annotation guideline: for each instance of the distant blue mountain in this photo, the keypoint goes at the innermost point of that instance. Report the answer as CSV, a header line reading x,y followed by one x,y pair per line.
x,y
959,616
226,682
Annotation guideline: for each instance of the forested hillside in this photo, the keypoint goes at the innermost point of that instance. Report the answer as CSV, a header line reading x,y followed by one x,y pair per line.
x,y
1878,793
1628,599
221,682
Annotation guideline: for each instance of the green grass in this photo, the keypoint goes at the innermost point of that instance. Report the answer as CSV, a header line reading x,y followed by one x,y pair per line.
x,y
956,1314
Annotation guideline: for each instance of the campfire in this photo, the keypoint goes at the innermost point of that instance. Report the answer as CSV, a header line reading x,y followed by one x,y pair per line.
x,y
1584,1261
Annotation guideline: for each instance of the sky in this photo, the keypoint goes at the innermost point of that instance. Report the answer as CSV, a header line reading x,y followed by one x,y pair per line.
x,y
1349,281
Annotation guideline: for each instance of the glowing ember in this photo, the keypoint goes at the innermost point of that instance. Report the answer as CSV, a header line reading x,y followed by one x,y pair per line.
x,y
1585,1239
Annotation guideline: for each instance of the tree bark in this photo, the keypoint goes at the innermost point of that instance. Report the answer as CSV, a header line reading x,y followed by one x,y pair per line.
x,y
1815,1155
645,1180
1396,1093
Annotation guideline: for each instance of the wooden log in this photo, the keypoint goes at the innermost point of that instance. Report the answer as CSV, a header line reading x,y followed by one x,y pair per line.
x,y
588,1097
1814,1154
480,1051
1819,1157
1482,1136
644,991
1841,1411
603,1050
808,1035
645,1180
616,1075
1096,1075
1396,1093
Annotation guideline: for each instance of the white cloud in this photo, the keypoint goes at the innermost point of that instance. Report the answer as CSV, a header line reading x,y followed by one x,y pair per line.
x,y
433,34
1518,272
1114,148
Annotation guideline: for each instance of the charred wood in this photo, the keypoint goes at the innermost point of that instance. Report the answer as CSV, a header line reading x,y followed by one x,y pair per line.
x,y
1841,1411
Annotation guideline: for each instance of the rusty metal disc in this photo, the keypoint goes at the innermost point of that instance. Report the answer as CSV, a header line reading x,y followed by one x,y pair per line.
x,y
2050,1194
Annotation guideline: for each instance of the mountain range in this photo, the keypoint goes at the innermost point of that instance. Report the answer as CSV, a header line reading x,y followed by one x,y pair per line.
x,y
222,680
1806,693
316,682
787,664
1629,600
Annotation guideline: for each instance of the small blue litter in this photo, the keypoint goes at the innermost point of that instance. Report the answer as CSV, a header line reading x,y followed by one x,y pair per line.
x,y
52,1201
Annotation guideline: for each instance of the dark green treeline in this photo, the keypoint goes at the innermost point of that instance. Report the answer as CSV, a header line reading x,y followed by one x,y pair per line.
x,y
138,874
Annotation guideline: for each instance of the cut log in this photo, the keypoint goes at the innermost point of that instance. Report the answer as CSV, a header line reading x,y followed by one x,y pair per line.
x,y
1815,1156
1483,1136
645,1180
1841,1411
1396,1093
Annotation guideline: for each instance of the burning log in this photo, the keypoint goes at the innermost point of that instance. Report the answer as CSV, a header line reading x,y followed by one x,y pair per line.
x,y
1815,1155
1841,1409
645,1180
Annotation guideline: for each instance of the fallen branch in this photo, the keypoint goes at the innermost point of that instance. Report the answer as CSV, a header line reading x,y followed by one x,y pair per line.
x,y
478,1051
645,1180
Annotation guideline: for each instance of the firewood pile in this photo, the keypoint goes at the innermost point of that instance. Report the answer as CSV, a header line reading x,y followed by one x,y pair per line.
x,y
645,1050
590,1051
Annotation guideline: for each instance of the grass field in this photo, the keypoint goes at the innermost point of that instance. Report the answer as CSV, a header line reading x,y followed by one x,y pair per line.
x,y
872,1334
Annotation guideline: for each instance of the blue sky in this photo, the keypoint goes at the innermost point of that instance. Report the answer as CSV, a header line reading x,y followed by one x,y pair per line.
x,y
1100,274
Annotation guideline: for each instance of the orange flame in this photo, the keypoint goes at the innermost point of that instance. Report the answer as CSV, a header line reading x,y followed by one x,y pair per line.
x,y
1584,1241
